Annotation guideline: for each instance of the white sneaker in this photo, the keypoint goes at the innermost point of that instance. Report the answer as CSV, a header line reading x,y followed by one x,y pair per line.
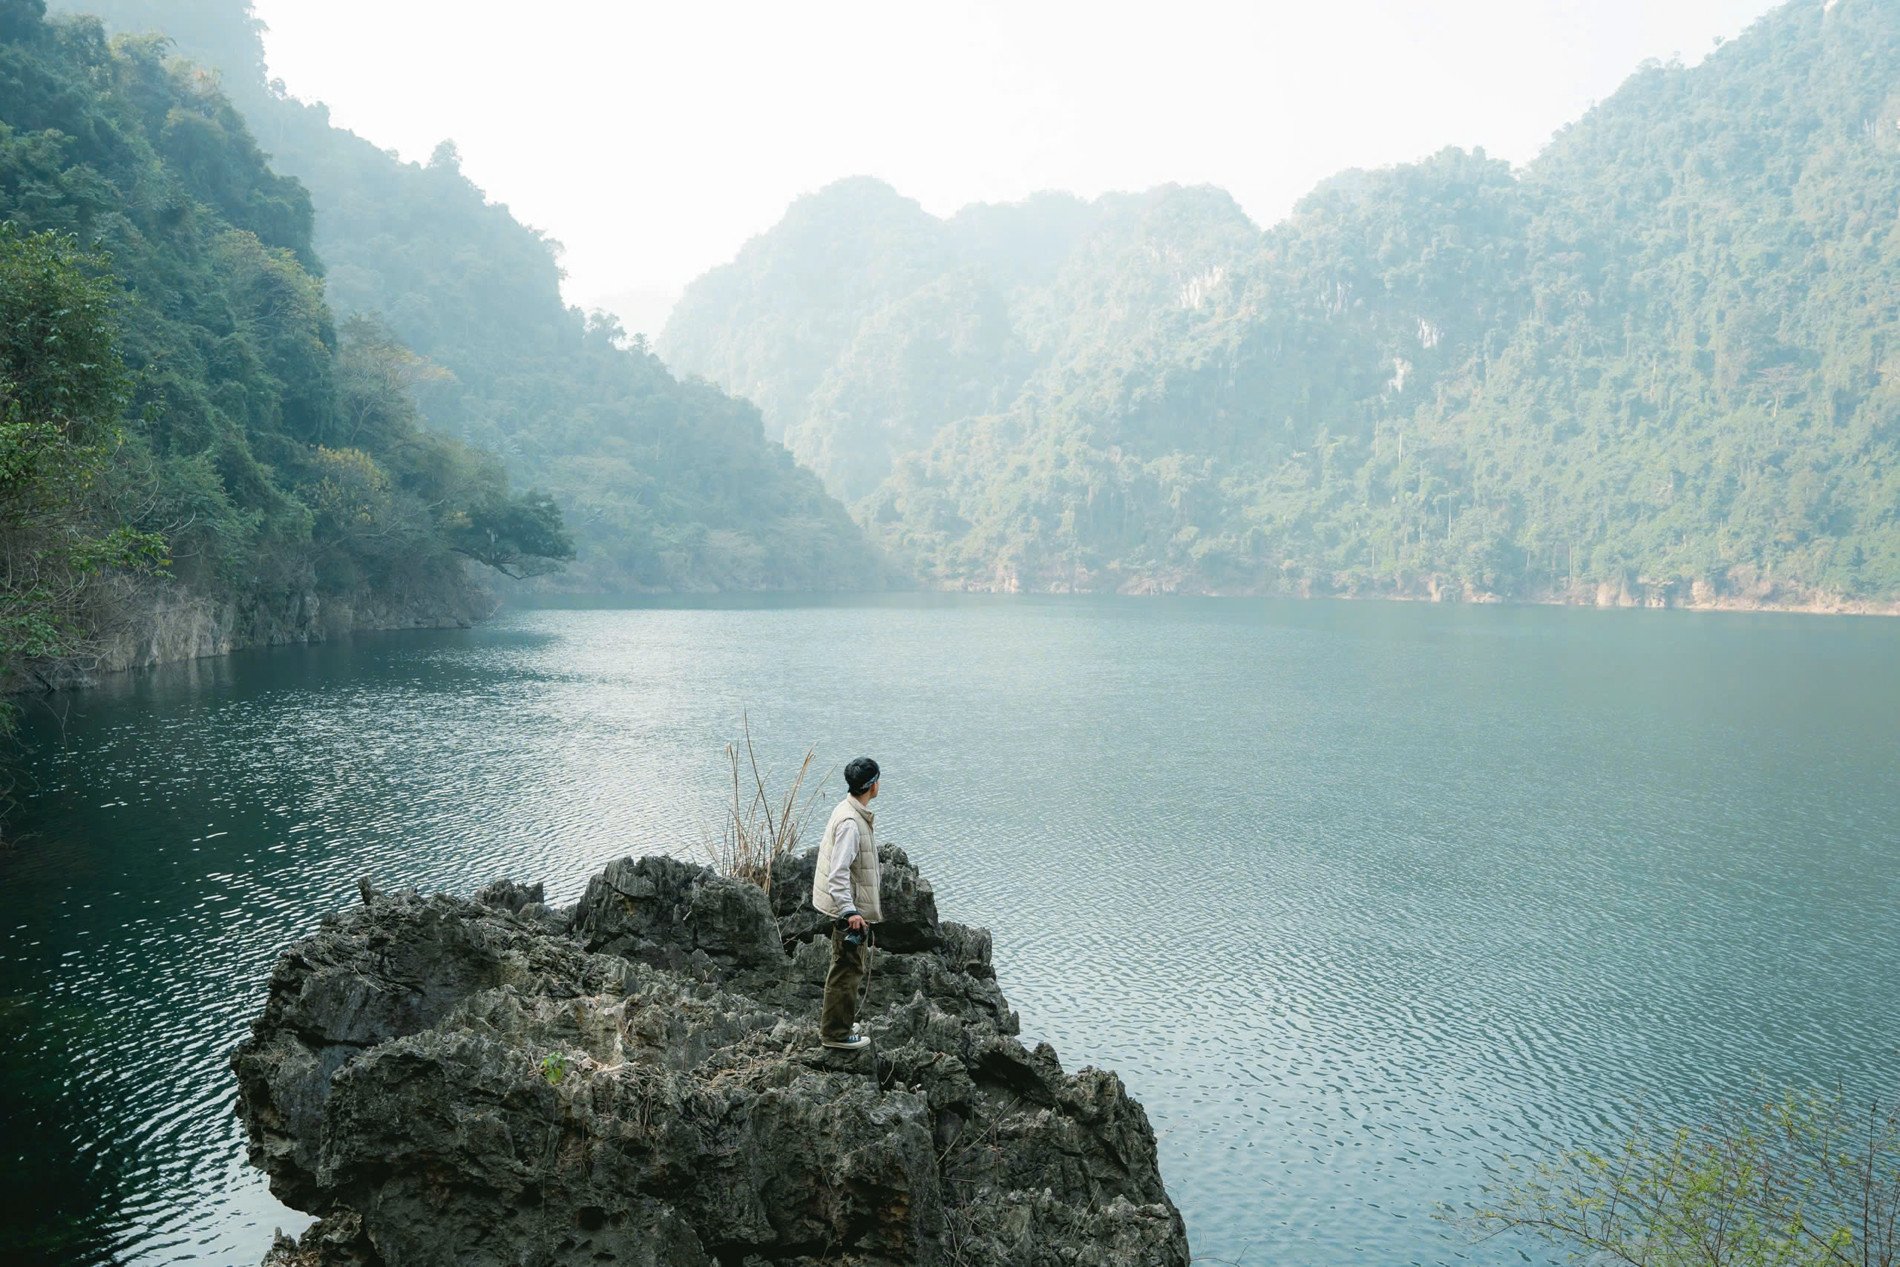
x,y
851,1042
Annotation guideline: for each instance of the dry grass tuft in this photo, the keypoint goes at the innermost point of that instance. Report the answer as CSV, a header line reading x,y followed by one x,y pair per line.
x,y
759,828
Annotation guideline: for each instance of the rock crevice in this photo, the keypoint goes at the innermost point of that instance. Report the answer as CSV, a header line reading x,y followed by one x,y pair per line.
x,y
637,1080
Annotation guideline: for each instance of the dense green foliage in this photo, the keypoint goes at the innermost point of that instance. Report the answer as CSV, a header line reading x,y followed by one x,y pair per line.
x,y
666,483
170,372
1656,365
62,388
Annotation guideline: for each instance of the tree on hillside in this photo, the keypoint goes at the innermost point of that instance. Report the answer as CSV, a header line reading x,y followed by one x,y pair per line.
x,y
62,387
518,537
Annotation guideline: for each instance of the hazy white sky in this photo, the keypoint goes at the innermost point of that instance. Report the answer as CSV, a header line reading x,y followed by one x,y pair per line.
x,y
654,139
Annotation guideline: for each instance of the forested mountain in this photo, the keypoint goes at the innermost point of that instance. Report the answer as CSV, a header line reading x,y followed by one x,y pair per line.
x,y
665,484
1660,363
181,421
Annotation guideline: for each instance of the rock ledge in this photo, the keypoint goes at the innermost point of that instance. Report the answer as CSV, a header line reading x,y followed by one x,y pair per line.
x,y
637,1080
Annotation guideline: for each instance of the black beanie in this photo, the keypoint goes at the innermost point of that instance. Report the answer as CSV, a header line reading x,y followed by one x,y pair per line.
x,y
860,774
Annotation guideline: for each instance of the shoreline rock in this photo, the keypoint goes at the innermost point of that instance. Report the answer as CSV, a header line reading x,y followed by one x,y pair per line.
x,y
637,1079
145,624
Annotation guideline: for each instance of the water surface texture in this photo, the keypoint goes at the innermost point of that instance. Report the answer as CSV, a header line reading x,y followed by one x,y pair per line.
x,y
1355,897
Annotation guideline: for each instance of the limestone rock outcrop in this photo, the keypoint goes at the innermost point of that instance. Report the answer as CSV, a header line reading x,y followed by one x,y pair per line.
x,y
638,1080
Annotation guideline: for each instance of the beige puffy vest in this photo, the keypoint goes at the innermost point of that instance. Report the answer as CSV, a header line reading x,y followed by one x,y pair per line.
x,y
865,876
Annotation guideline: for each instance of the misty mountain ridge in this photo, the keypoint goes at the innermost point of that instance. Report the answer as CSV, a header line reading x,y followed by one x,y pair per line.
x,y
1652,365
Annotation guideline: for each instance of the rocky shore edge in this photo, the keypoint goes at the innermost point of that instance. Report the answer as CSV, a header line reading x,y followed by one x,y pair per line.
x,y
637,1080
144,624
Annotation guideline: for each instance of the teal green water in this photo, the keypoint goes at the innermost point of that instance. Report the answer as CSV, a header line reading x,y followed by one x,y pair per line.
x,y
1355,897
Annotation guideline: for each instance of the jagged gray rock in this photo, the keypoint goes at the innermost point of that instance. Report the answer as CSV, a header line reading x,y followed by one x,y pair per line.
x,y
638,1081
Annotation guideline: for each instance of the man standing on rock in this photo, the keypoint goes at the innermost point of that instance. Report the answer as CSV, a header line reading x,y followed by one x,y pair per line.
x,y
845,887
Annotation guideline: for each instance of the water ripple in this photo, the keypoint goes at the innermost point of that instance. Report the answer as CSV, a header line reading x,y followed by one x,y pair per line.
x,y
1353,897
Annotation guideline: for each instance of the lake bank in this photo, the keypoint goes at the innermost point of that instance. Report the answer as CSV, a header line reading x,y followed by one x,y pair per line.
x,y
1672,596
185,627
144,624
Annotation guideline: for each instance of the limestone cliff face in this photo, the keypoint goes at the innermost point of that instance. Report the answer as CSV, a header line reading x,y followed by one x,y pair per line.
x,y
638,1080
142,623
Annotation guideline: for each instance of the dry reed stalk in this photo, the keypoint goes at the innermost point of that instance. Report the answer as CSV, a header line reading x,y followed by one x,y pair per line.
x,y
759,829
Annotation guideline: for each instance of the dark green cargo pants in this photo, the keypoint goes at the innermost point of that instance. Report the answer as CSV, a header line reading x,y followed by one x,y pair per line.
x,y
842,984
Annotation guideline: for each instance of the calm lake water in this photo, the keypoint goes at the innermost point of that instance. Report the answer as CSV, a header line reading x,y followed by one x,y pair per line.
x,y
1355,897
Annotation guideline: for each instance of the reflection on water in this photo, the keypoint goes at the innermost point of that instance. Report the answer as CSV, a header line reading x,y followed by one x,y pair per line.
x,y
1353,896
